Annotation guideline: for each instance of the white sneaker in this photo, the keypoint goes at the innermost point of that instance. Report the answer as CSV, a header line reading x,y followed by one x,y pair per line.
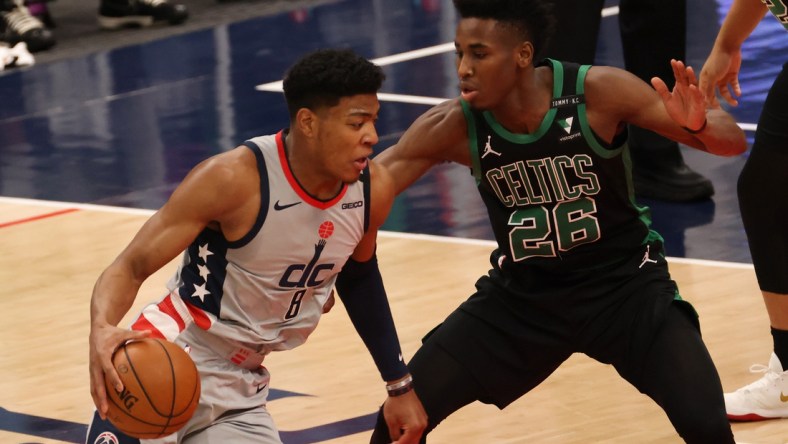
x,y
15,56
766,398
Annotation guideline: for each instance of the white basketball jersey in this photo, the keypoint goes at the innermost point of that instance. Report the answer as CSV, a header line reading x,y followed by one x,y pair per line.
x,y
266,291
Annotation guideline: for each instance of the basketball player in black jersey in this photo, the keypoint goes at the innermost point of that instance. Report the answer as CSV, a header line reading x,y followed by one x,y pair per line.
x,y
577,268
764,209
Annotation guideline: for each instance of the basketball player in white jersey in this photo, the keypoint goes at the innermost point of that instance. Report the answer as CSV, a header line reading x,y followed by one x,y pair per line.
x,y
266,231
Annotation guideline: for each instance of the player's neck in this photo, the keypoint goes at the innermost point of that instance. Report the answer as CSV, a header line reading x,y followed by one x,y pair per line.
x,y
308,172
524,108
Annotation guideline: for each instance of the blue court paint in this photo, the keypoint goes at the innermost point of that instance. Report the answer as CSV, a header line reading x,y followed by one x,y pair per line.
x,y
73,432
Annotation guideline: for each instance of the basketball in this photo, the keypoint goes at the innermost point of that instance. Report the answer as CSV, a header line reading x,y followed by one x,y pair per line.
x,y
161,389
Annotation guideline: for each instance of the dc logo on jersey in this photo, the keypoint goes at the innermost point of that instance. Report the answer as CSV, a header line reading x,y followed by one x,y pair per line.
x,y
309,275
106,438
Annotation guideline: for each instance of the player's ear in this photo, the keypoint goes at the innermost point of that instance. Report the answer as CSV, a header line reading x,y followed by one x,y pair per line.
x,y
306,120
525,54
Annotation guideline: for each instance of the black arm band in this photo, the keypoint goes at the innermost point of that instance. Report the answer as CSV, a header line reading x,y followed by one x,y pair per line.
x,y
699,130
360,287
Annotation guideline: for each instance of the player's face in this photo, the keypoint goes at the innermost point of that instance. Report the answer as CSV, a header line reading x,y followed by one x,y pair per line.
x,y
487,61
348,134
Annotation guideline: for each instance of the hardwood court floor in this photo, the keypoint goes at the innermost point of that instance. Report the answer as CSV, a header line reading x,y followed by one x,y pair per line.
x,y
52,257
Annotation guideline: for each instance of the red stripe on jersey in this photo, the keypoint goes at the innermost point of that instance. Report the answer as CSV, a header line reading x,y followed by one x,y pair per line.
x,y
166,306
200,318
142,323
297,186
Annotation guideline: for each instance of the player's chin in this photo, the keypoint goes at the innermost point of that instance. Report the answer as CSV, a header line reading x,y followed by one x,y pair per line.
x,y
478,104
354,173
351,177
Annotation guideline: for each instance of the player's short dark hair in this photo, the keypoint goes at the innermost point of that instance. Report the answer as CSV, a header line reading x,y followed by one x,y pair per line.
x,y
322,78
533,20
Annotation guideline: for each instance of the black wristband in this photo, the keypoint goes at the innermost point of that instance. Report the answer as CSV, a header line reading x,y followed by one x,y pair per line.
x,y
401,387
702,127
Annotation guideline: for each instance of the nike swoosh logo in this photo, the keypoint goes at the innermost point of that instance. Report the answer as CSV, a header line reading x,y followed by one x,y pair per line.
x,y
278,207
260,389
783,398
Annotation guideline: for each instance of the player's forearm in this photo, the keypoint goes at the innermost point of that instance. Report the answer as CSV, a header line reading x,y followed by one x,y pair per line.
x,y
360,287
741,20
113,295
721,136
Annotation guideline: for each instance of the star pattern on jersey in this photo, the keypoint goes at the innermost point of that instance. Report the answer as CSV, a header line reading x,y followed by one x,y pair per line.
x,y
200,291
204,272
204,253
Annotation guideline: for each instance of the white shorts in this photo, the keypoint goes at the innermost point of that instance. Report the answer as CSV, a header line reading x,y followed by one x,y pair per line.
x,y
232,405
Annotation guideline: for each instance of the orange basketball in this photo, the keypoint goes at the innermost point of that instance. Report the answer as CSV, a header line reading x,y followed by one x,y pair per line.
x,y
161,389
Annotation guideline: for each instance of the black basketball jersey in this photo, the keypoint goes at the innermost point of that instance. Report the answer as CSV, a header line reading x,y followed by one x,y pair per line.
x,y
560,200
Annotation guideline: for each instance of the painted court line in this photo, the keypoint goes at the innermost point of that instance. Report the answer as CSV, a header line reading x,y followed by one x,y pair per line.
x,y
37,217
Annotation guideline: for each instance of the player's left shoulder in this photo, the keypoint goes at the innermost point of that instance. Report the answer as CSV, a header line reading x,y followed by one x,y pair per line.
x,y
615,90
235,170
601,79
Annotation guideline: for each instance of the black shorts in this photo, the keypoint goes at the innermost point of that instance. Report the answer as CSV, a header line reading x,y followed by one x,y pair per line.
x,y
762,183
511,340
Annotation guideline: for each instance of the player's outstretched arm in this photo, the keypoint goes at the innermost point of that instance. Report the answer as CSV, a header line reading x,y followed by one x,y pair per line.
x,y
437,136
680,114
721,70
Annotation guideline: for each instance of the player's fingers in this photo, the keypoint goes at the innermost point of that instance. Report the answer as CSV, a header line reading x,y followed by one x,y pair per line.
x,y
136,334
113,379
409,436
696,96
109,373
691,77
712,100
725,92
679,72
736,86
329,302
98,393
394,433
661,88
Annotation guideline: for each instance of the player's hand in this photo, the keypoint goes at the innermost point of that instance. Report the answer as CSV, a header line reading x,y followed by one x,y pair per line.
x,y
405,417
685,104
329,303
104,340
721,72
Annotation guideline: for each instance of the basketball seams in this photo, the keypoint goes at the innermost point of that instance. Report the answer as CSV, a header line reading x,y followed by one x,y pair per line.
x,y
174,384
154,407
150,387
